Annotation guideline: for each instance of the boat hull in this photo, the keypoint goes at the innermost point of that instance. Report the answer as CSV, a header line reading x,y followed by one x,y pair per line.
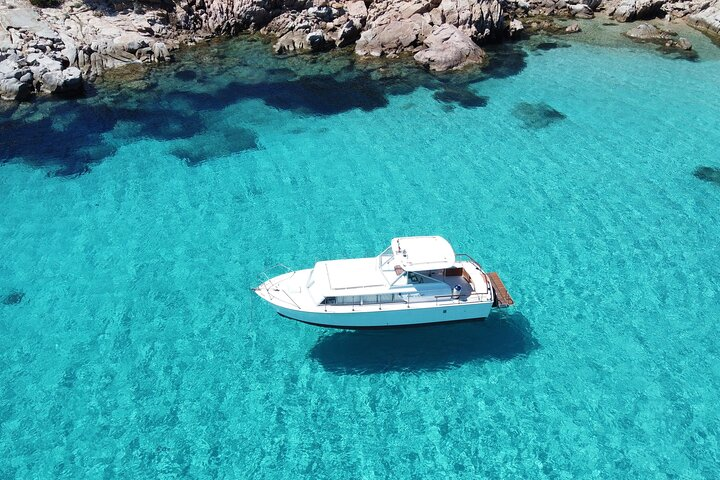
x,y
389,318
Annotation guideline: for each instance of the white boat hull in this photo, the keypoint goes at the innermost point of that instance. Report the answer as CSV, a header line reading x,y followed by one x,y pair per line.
x,y
387,316
389,319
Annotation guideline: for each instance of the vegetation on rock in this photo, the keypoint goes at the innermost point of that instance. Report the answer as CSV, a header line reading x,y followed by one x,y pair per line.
x,y
46,3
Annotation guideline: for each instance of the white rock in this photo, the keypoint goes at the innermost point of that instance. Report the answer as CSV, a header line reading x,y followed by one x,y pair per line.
x,y
707,18
357,9
573,28
65,82
515,27
448,49
160,52
630,10
14,89
387,39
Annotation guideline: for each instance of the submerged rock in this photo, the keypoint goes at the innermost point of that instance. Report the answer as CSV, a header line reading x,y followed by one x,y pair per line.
x,y
537,115
683,43
668,40
545,46
573,28
645,31
224,142
13,298
548,27
72,170
186,75
461,96
708,174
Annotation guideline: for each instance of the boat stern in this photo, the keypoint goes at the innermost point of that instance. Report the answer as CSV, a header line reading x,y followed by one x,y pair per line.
x,y
502,298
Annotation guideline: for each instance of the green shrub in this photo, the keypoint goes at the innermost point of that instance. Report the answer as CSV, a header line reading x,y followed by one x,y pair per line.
x,y
46,3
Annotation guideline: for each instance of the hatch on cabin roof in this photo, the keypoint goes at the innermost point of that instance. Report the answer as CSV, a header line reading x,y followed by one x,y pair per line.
x,y
423,253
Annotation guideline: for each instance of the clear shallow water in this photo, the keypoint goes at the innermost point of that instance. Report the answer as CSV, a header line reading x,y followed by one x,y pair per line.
x,y
132,347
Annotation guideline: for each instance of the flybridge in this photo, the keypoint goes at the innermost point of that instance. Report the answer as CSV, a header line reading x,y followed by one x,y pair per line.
x,y
416,254
387,271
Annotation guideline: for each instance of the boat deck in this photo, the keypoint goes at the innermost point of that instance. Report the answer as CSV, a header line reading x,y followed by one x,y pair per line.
x,y
502,297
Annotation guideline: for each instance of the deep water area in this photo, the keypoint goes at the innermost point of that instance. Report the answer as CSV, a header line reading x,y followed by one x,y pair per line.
x,y
134,221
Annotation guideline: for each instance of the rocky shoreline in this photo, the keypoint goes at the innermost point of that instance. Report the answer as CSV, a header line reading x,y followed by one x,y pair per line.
x,y
55,50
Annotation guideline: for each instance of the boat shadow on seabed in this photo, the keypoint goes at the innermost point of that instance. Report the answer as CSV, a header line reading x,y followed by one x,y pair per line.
x,y
503,336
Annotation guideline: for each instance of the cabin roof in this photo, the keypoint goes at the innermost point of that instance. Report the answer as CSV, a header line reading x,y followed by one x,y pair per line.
x,y
371,276
361,276
417,254
354,273
355,276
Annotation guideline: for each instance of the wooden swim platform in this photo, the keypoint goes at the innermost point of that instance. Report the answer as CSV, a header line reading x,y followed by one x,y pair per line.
x,y
502,297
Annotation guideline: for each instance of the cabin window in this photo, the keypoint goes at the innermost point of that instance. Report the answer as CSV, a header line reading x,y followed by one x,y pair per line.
x,y
348,300
361,300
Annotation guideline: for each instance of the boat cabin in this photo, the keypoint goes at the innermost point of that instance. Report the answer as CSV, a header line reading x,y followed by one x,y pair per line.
x,y
411,269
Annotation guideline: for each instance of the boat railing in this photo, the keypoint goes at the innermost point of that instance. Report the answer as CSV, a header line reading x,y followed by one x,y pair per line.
x,y
268,285
291,299
467,257
264,276
410,301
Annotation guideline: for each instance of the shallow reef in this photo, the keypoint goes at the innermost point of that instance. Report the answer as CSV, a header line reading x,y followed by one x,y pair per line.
x,y
13,298
177,101
506,60
550,46
460,96
708,174
201,148
537,115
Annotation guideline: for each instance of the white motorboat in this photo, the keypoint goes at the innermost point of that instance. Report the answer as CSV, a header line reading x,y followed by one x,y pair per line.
x,y
415,281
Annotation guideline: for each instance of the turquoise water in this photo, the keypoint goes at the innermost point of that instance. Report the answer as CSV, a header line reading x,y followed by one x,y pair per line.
x,y
133,222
